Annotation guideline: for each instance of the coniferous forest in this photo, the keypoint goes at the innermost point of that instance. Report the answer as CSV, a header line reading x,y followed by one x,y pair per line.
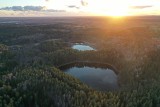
x,y
31,53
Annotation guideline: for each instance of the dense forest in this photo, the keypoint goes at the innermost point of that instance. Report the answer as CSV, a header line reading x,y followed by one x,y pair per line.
x,y
31,53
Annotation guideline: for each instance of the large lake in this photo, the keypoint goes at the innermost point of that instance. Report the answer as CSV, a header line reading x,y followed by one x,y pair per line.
x,y
102,79
82,47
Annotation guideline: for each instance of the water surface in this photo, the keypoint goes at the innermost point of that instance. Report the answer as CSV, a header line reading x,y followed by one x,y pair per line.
x,y
82,47
98,78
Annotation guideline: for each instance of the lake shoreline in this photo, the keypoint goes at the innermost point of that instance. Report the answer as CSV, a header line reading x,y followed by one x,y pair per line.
x,y
89,63
99,76
90,47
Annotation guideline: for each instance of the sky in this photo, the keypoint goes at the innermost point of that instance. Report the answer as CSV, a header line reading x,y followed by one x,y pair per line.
x,y
79,7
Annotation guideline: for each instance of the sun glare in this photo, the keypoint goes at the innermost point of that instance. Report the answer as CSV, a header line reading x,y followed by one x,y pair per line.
x,y
115,8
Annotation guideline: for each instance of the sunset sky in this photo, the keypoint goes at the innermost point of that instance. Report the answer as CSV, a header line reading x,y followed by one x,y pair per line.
x,y
79,7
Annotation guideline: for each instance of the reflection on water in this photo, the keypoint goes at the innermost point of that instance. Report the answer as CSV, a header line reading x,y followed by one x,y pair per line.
x,y
9,22
98,78
82,47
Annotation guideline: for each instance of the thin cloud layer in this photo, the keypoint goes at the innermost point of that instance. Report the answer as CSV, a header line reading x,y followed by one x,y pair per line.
x,y
84,3
14,8
34,8
30,8
25,8
73,6
140,7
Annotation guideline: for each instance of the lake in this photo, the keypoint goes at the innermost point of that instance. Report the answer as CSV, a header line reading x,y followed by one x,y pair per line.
x,y
99,78
82,47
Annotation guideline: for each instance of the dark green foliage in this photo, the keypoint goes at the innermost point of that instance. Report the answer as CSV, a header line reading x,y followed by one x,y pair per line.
x,y
51,46
7,62
29,76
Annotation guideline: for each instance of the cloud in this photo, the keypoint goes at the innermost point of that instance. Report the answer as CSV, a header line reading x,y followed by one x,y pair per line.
x,y
53,10
84,3
73,6
30,8
34,8
25,8
140,7
14,8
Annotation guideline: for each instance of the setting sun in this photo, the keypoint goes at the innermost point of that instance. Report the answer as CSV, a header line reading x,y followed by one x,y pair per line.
x,y
108,8
119,9
111,8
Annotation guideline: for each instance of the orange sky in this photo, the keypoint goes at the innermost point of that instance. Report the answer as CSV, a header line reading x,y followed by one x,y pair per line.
x,y
79,7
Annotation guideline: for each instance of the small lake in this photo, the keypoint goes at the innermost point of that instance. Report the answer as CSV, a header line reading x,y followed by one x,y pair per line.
x,y
82,47
99,78
9,22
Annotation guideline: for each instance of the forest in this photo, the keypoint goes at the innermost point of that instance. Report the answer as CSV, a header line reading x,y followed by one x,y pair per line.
x,y
30,56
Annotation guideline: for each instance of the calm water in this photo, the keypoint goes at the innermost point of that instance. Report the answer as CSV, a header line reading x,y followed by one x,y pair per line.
x,y
9,22
82,47
97,78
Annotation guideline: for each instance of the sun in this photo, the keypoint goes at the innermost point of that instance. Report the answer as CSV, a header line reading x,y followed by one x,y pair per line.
x,y
115,8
